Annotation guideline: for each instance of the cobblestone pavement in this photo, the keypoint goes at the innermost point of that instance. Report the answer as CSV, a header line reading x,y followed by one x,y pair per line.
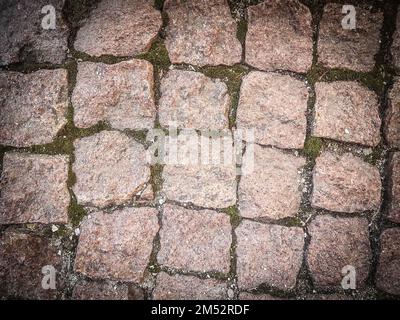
x,y
80,197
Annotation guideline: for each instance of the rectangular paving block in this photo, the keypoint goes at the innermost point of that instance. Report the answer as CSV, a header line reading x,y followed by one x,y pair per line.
x,y
395,50
131,33
116,246
273,188
120,94
33,107
345,184
195,240
201,32
346,111
337,243
34,189
268,254
346,48
388,272
179,287
275,107
394,207
25,259
392,121
279,36
27,34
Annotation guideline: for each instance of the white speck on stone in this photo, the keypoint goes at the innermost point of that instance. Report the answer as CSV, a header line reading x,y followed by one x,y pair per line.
x,y
54,228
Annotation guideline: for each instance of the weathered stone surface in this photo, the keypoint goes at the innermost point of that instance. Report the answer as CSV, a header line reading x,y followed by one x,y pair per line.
x,y
33,106
117,246
251,296
275,107
117,169
201,32
273,188
195,240
396,44
119,28
327,297
93,290
345,184
178,287
347,111
336,243
211,185
392,125
22,257
349,49
268,254
394,208
388,273
22,37
192,100
279,36
34,189
121,94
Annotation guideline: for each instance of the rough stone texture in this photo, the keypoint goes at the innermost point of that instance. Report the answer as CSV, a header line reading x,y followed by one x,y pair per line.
x,y
22,257
392,126
269,254
201,32
117,169
33,106
34,189
91,290
251,296
195,240
394,208
273,188
327,297
275,107
388,273
22,38
207,185
117,246
121,94
349,49
336,243
347,111
178,287
396,44
192,100
345,184
279,36
119,28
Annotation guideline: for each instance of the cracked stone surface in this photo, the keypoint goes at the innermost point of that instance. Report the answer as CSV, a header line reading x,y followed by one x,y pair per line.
x,y
178,287
388,272
345,184
349,49
195,240
117,169
34,189
95,290
121,94
117,246
206,185
272,189
192,100
335,244
275,107
201,32
269,254
22,257
132,25
347,111
392,128
279,36
394,208
33,106
22,37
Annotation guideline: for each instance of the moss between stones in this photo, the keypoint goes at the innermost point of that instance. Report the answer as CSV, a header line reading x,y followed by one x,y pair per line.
x,y
157,55
233,212
312,147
